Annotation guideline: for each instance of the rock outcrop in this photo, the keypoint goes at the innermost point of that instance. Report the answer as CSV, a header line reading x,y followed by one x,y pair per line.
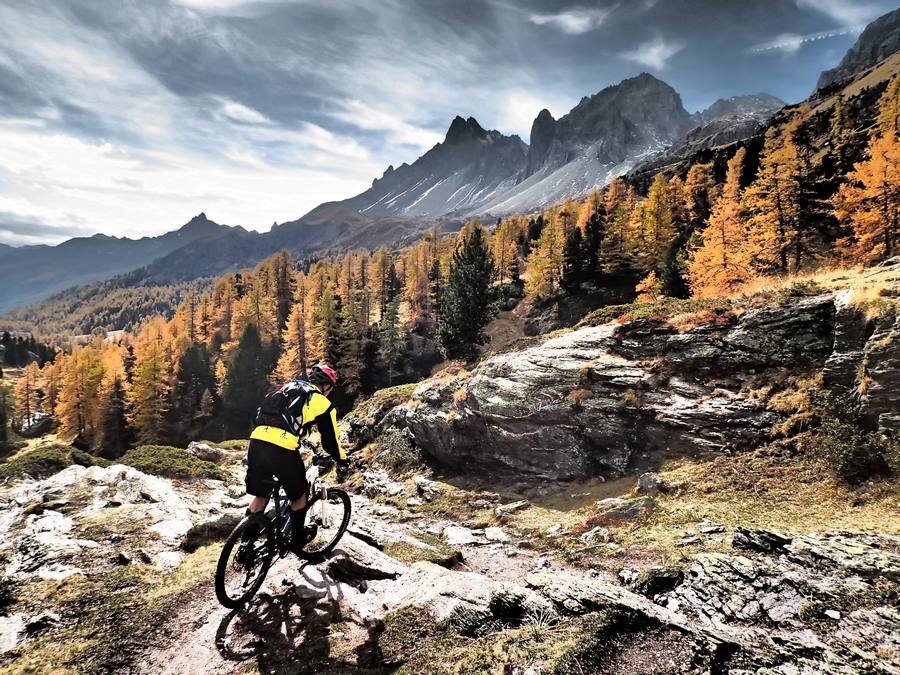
x,y
589,401
585,402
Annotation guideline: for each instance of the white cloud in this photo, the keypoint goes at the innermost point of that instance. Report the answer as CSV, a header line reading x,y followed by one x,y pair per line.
x,y
654,53
148,159
241,113
401,132
520,107
844,12
573,21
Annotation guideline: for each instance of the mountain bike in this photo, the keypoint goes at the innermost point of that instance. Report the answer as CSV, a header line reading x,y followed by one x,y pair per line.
x,y
258,538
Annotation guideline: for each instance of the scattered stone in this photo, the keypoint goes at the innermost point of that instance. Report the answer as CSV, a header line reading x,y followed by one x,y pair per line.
x,y
414,501
207,452
457,535
496,534
833,614
11,628
378,482
554,529
650,484
212,530
688,541
427,489
712,529
122,558
511,552
41,622
512,507
628,577
596,535
143,556
355,560
616,510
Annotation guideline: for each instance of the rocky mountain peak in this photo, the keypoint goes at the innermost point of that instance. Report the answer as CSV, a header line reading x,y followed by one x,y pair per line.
x,y
462,130
880,39
758,106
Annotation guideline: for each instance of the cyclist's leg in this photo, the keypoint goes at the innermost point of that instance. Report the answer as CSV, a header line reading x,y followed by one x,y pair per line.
x,y
259,473
291,471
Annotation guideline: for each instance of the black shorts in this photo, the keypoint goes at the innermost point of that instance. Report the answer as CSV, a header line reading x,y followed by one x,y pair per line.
x,y
265,460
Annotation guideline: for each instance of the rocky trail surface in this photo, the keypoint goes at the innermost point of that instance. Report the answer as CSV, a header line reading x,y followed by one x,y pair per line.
x,y
417,590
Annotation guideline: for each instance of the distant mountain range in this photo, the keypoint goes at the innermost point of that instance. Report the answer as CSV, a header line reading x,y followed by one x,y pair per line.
x,y
637,125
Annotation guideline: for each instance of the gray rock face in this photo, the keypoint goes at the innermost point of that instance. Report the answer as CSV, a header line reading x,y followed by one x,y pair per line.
x,y
469,166
758,106
769,607
880,39
518,411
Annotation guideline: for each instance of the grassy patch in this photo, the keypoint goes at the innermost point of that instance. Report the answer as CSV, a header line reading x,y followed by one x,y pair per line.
x,y
109,619
544,646
234,444
47,460
773,487
397,454
664,308
851,451
164,460
440,553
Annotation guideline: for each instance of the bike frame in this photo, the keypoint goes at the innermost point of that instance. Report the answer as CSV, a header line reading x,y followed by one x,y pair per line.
x,y
282,519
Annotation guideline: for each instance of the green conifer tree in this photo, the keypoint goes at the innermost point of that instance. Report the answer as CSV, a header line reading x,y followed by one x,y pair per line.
x,y
469,298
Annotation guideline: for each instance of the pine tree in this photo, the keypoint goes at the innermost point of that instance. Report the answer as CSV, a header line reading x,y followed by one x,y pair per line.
x,y
149,398
870,199
545,262
112,432
469,297
392,341
573,260
27,393
5,406
292,363
720,263
246,383
77,404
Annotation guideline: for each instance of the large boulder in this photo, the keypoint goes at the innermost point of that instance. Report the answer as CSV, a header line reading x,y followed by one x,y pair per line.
x,y
464,601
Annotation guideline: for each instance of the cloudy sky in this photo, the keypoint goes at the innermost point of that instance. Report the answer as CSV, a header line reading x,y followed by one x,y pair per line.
x,y
128,117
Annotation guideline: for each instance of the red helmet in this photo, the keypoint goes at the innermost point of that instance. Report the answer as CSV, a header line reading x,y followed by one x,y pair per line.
x,y
323,374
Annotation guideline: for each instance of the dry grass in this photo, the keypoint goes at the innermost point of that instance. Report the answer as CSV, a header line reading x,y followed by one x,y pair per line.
x,y
460,395
579,396
868,288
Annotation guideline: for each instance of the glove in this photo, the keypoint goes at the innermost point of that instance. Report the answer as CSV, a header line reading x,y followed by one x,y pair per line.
x,y
343,468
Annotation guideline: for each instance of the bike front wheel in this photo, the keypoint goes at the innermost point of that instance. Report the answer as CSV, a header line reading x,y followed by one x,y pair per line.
x,y
330,516
245,560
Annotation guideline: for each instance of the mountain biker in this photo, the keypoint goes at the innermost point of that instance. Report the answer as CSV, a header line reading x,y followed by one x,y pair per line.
x,y
283,420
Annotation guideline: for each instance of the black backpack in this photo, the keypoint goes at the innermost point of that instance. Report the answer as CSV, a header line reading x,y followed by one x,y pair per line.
x,y
273,411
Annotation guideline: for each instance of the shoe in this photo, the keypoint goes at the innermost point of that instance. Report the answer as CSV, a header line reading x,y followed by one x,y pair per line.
x,y
308,534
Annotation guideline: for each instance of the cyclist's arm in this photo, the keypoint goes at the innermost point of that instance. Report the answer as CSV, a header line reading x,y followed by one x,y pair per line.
x,y
326,423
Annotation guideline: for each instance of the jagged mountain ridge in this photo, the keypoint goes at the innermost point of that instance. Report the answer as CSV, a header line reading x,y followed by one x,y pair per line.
x,y
757,106
880,39
468,167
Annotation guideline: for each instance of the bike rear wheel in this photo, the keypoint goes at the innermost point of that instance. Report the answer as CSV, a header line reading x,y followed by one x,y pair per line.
x,y
331,516
245,560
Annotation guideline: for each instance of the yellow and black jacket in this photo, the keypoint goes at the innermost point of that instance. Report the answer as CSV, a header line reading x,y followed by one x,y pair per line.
x,y
304,406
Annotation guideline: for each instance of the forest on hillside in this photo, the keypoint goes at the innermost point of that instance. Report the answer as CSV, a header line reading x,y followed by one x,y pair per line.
x,y
808,198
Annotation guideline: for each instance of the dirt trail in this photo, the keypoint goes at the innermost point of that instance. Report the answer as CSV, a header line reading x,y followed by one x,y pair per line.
x,y
284,631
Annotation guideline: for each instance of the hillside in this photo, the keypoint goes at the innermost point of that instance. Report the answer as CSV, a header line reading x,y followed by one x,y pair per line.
x,y
31,273
704,517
